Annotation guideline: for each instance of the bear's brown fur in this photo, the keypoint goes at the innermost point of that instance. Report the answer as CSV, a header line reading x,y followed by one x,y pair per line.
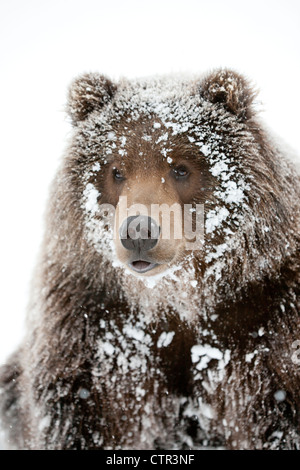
x,y
202,353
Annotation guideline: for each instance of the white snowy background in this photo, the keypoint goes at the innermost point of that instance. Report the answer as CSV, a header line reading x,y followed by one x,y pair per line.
x,y
44,44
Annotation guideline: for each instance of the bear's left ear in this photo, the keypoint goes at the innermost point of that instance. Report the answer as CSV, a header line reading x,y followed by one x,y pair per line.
x,y
88,92
230,90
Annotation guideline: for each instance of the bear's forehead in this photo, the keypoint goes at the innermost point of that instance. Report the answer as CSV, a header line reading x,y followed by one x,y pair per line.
x,y
147,142
161,113
156,140
147,136
138,125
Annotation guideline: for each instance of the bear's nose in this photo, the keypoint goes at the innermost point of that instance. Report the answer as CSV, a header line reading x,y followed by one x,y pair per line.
x,y
139,233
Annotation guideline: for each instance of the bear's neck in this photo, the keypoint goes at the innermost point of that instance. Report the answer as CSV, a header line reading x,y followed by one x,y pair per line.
x,y
228,313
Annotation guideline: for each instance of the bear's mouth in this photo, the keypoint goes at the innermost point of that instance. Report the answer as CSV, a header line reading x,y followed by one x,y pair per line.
x,y
141,266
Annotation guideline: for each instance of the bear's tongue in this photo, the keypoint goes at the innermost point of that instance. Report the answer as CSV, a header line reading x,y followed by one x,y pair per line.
x,y
140,265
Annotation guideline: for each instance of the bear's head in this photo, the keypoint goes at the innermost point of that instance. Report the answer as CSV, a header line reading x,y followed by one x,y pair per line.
x,y
177,175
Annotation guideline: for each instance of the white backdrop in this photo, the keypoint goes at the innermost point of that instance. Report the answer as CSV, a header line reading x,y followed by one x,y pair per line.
x,y
44,44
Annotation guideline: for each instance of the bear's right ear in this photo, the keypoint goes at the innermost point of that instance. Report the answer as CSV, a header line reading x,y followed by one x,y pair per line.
x,y
86,93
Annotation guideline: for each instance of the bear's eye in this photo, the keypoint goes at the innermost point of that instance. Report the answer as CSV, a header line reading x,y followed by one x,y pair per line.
x,y
118,175
180,172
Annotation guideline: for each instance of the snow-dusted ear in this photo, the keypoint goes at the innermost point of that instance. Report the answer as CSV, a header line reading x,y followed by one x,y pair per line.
x,y
230,90
88,92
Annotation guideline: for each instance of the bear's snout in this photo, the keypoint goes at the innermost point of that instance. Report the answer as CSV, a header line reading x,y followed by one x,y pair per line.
x,y
139,234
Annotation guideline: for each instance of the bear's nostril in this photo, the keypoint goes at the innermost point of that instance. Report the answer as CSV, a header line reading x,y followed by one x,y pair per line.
x,y
145,233
139,233
131,233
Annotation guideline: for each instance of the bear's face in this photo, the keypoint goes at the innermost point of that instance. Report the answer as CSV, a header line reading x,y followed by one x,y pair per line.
x,y
157,175
156,153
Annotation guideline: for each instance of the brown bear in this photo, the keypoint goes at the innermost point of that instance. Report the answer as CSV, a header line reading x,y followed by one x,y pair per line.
x,y
141,337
